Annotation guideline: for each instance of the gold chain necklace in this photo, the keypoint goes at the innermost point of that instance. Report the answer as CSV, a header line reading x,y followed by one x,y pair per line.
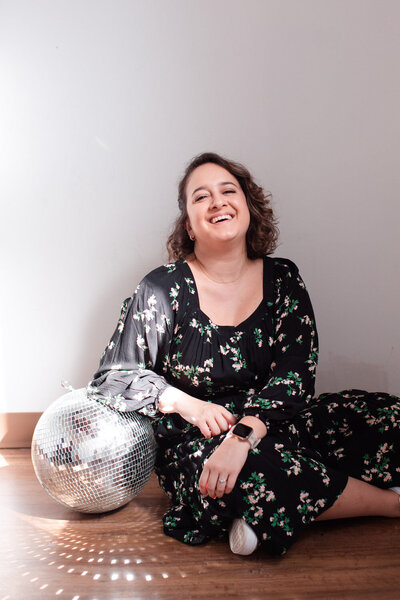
x,y
214,280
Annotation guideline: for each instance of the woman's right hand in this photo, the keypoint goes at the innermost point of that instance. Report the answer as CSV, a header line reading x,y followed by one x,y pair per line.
x,y
212,419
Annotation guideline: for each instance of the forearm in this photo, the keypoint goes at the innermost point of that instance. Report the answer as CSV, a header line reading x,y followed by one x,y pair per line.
x,y
222,468
171,400
211,419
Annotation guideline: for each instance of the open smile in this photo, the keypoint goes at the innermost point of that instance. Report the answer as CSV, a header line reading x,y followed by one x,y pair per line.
x,y
221,218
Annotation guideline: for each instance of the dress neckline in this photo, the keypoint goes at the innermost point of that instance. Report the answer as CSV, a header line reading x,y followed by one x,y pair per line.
x,y
248,319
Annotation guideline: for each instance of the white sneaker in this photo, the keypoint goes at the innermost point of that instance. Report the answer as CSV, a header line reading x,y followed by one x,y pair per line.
x,y
397,490
242,539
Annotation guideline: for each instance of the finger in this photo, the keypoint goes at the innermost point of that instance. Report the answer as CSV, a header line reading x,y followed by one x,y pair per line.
x,y
203,482
222,423
229,416
205,429
213,425
230,483
221,485
212,484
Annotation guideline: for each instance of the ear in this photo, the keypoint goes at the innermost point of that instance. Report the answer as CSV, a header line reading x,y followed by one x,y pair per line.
x,y
188,228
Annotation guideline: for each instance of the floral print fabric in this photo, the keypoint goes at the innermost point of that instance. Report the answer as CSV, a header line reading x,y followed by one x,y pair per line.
x,y
263,367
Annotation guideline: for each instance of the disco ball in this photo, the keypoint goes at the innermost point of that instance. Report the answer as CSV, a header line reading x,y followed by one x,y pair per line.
x,y
90,457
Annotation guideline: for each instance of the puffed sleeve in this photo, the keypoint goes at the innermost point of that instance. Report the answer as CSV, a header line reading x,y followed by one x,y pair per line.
x,y
129,376
294,347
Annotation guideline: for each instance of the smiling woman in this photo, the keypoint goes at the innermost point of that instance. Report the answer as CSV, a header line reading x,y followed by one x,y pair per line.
x,y
262,234
219,347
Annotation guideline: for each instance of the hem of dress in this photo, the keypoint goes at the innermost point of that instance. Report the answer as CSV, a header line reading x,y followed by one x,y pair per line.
x,y
181,536
273,548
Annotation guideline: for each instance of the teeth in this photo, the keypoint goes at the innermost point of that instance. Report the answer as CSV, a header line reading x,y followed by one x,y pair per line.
x,y
221,218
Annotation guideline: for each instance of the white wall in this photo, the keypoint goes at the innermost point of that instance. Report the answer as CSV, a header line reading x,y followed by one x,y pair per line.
x,y
103,102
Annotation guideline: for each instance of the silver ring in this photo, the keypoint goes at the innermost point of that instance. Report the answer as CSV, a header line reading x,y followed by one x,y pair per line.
x,y
221,480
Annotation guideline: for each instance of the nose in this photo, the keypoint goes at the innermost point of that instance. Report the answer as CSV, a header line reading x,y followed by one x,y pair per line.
x,y
217,200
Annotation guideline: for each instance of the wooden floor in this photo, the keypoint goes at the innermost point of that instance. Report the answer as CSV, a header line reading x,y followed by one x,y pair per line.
x,y
48,551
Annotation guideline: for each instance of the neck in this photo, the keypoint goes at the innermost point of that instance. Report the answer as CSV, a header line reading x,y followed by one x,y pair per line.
x,y
225,267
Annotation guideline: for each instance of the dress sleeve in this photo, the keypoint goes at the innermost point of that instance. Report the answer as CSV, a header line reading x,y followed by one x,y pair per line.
x,y
129,377
294,347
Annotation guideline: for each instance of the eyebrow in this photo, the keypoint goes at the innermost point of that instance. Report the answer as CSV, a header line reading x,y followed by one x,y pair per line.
x,y
220,183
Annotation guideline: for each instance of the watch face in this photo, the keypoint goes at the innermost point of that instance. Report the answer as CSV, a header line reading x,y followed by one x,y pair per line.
x,y
242,431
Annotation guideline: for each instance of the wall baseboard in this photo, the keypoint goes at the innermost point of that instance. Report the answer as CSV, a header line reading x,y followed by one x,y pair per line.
x,y
16,429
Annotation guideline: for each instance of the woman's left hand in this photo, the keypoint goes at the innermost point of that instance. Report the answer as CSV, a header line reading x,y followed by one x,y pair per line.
x,y
221,470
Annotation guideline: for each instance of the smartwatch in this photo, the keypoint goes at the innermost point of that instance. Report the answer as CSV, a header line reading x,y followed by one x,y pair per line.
x,y
244,433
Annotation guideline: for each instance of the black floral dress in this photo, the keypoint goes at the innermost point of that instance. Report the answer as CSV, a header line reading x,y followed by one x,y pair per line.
x,y
264,367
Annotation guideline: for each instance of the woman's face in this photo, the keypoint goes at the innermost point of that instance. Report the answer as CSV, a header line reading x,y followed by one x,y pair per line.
x,y
216,206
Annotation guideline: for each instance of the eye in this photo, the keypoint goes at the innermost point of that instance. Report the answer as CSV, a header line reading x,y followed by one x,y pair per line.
x,y
229,191
199,198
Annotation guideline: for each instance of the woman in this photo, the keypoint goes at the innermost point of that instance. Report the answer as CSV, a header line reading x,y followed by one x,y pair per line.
x,y
220,348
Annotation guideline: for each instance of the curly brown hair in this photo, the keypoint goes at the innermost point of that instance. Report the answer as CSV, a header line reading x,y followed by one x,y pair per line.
x,y
262,234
